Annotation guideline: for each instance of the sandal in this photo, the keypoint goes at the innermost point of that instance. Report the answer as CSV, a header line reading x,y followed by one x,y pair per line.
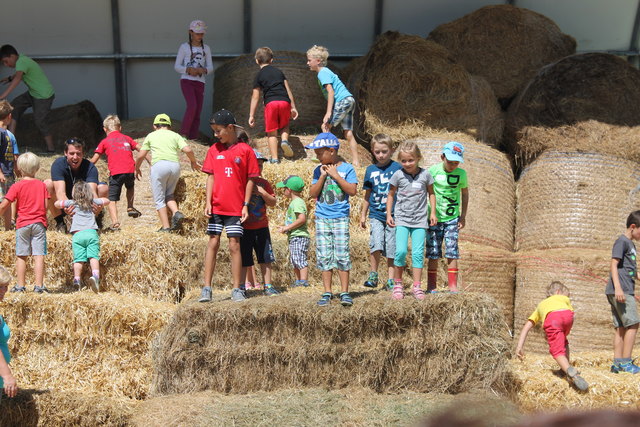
x,y
133,212
418,293
398,292
115,227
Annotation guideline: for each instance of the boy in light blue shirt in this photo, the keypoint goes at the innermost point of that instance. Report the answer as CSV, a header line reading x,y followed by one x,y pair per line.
x,y
333,182
340,102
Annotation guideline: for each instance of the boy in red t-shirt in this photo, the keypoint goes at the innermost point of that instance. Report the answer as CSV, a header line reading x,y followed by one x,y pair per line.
x,y
256,236
232,168
31,197
118,148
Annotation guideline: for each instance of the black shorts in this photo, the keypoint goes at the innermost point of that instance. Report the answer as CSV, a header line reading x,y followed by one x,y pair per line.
x,y
231,223
259,241
117,181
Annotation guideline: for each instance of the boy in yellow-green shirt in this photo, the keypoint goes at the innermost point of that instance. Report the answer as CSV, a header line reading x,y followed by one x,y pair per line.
x,y
556,314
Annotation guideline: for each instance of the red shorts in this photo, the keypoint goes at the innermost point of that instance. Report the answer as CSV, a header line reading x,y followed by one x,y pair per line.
x,y
276,115
557,326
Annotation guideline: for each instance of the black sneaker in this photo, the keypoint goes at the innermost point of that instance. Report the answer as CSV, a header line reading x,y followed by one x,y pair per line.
x,y
176,220
17,288
40,289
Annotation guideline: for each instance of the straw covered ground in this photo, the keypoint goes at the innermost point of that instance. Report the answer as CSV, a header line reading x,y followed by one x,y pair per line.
x,y
448,343
410,81
543,388
504,44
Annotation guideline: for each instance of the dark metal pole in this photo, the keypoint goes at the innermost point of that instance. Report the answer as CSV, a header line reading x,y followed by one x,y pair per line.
x,y
247,27
633,46
119,64
377,18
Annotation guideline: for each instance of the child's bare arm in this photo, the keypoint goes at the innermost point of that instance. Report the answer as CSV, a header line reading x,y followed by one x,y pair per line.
x,y
4,205
141,156
315,189
390,198
326,126
15,81
255,98
208,192
615,278
523,337
10,385
247,196
269,200
294,110
463,209
192,158
433,218
365,208
95,158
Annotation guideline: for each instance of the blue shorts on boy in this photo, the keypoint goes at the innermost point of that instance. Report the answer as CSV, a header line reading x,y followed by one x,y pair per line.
x,y
332,221
258,240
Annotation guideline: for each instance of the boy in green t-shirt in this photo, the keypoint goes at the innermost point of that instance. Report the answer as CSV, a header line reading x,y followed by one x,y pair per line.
x,y
452,199
295,225
39,96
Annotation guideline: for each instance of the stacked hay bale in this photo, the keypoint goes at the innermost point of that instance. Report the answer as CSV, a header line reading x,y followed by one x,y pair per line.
x,y
486,263
233,84
571,208
412,84
560,104
504,44
450,343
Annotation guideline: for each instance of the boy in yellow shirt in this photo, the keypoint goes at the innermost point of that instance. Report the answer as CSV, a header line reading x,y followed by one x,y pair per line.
x,y
556,314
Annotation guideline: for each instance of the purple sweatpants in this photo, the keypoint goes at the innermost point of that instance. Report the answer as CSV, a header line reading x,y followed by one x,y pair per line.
x,y
193,92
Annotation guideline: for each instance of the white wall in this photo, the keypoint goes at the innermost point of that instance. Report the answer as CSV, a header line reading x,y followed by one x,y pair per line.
x,y
44,27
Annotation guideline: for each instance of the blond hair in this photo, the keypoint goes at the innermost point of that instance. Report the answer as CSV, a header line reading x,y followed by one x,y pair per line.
x,y
556,287
5,277
5,109
410,147
264,55
319,52
112,122
28,163
382,138
83,195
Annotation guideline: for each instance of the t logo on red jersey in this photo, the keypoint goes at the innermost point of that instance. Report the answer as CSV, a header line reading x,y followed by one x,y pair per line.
x,y
228,171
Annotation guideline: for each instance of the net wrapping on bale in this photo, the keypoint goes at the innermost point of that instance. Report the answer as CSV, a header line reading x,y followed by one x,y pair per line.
x,y
575,200
585,273
504,44
409,81
449,343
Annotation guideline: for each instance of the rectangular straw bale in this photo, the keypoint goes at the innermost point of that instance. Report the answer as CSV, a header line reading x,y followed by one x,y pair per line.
x,y
83,341
585,272
448,343
42,407
541,389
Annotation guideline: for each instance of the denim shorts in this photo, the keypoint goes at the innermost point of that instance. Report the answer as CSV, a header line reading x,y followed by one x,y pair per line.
x,y
343,113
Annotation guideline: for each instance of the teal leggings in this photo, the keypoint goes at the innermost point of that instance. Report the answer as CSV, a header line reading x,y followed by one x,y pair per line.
x,y
418,236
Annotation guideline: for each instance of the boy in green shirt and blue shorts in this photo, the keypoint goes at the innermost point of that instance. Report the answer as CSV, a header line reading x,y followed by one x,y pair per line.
x,y
452,199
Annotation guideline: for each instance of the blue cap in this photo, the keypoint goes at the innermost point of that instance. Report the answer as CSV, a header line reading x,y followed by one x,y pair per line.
x,y
324,140
454,151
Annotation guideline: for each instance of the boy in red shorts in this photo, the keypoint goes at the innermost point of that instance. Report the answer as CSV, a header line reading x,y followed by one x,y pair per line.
x,y
556,314
279,106
119,150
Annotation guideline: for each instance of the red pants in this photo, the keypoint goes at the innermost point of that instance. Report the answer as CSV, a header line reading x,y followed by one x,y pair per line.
x,y
557,326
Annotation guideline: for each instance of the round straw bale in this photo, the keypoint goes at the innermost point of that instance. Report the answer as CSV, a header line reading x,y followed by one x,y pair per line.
x,y
491,211
504,44
410,81
585,273
578,200
233,84
460,341
54,408
589,86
